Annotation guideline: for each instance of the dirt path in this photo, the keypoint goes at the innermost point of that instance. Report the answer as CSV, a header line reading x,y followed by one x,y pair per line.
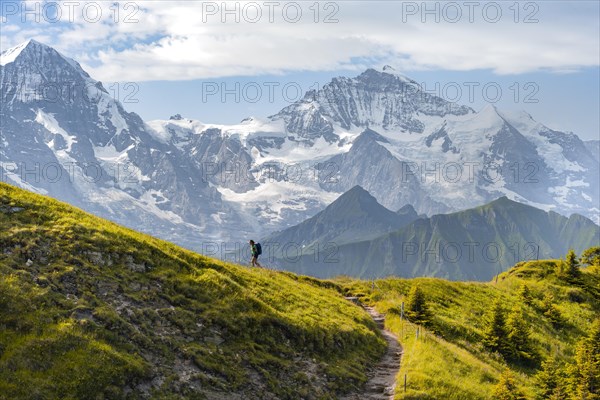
x,y
382,378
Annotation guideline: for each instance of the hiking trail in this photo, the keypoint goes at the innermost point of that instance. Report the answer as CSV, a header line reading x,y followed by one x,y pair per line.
x,y
382,378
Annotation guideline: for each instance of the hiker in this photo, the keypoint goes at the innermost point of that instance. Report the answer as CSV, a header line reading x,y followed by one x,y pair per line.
x,y
255,250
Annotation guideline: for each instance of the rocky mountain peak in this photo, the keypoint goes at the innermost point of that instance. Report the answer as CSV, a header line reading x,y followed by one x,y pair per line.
x,y
40,58
378,99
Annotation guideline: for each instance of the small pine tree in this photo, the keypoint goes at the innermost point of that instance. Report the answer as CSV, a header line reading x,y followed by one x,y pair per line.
x,y
560,393
519,335
495,335
586,371
417,310
506,388
569,268
551,381
551,311
525,294
591,256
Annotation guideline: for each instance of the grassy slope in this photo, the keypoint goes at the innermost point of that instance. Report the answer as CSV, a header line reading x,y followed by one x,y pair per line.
x,y
101,311
451,363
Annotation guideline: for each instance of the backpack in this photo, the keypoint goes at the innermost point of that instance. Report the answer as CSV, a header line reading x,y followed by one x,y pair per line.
x,y
258,249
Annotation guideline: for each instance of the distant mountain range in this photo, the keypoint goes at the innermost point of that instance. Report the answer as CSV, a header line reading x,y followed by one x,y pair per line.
x,y
193,183
357,236
355,214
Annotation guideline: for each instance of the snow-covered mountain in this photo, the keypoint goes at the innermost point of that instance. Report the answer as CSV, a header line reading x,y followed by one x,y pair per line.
x,y
62,134
387,100
594,147
194,183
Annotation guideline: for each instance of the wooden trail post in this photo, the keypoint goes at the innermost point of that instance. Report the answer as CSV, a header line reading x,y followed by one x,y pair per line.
x,y
402,320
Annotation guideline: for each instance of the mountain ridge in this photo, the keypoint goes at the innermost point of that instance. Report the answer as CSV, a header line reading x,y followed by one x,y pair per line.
x,y
354,213
195,183
473,244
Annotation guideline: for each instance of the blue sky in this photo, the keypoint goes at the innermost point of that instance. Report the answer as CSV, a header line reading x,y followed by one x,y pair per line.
x,y
543,56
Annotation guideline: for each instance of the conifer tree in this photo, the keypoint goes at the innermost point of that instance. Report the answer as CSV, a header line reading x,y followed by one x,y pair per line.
x,y
551,311
586,371
417,310
560,393
525,294
569,268
495,335
591,257
551,381
506,388
519,334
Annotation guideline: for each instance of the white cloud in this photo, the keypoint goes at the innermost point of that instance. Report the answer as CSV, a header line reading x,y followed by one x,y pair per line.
x,y
171,40
10,28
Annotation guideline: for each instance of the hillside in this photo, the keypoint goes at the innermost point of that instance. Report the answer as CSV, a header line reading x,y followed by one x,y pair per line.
x,y
474,244
449,360
89,309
